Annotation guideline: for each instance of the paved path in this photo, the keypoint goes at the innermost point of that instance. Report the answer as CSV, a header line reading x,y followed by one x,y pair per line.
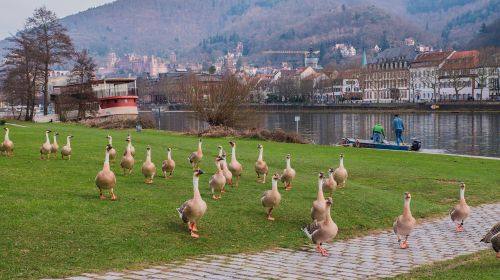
x,y
371,256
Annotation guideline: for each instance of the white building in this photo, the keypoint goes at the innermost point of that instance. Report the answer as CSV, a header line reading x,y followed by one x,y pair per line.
x,y
424,75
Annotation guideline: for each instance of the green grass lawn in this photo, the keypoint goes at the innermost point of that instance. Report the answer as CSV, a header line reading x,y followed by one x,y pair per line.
x,y
53,224
482,265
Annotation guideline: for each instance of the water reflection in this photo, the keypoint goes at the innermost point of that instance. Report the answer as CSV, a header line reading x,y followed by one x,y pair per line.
x,y
460,133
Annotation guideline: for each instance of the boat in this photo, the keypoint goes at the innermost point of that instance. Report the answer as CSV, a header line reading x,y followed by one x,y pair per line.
x,y
385,145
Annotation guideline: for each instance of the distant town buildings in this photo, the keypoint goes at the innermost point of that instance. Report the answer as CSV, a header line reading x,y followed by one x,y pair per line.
x,y
345,50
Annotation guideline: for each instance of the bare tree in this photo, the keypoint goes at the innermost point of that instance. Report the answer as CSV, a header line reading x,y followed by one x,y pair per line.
x,y
54,42
456,80
219,102
84,71
22,71
431,79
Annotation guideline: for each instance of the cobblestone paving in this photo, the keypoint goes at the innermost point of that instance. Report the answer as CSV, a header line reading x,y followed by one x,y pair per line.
x,y
371,256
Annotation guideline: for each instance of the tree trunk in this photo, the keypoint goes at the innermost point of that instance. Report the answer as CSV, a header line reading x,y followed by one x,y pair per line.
x,y
46,89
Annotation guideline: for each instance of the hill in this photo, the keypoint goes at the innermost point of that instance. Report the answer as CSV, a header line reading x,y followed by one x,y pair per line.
x,y
196,29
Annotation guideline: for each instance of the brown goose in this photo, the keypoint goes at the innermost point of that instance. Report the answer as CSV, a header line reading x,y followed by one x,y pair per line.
x,y
329,184
54,148
493,237
340,174
261,166
192,210
168,165
461,211
45,148
7,146
148,167
234,166
132,148
323,231
66,149
112,152
404,224
271,198
195,157
217,181
106,179
288,174
127,162
225,170
318,209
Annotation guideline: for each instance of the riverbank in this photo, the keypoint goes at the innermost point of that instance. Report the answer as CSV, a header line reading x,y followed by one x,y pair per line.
x,y
356,107
53,224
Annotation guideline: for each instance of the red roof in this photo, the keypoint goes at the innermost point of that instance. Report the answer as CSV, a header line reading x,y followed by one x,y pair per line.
x,y
462,60
430,59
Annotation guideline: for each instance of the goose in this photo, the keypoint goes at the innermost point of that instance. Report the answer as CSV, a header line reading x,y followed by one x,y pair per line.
x,y
340,174
318,208
404,224
234,166
106,179
493,237
54,148
217,181
45,148
329,184
195,157
168,165
225,170
7,146
192,210
112,152
288,174
261,166
271,198
148,167
127,162
66,149
461,211
132,148
323,231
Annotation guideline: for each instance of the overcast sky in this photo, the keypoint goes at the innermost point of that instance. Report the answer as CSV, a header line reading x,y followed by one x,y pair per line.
x,y
13,13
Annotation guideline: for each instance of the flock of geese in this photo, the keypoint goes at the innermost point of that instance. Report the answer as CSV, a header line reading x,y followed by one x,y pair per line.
x,y
322,230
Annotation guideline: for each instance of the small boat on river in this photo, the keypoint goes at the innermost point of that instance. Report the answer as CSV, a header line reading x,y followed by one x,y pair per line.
x,y
385,145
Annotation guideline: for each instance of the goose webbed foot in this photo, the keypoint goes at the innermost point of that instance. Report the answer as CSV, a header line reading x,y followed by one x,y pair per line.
x,y
459,228
403,244
269,216
194,235
498,255
101,196
113,196
321,250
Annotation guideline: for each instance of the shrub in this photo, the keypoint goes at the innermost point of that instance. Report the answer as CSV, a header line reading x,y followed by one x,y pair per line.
x,y
277,135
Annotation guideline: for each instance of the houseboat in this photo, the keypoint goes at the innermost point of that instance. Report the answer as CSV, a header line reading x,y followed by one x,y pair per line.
x,y
115,98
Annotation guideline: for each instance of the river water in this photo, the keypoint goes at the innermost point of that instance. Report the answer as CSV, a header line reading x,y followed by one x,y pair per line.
x,y
456,133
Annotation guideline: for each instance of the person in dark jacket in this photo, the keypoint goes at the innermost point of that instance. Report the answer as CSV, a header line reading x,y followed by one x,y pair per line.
x,y
398,127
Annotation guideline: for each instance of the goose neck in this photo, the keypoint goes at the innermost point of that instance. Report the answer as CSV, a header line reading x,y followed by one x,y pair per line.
x,y
196,190
462,194
106,161
328,215
261,154
341,162
148,156
110,140
68,142
169,155
406,209
199,147
320,190
220,152
6,137
233,153
47,140
55,139
288,165
275,185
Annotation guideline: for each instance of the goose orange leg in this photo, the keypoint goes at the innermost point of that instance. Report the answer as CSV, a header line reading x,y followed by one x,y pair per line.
x,y
101,196
269,212
321,250
113,195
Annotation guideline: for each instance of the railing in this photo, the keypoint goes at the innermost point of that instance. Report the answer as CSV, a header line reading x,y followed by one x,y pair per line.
x,y
115,92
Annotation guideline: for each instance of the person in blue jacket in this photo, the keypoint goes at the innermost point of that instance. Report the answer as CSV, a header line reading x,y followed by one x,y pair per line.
x,y
398,127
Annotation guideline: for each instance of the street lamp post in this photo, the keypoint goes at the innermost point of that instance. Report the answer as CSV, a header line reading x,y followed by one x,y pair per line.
x,y
297,119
